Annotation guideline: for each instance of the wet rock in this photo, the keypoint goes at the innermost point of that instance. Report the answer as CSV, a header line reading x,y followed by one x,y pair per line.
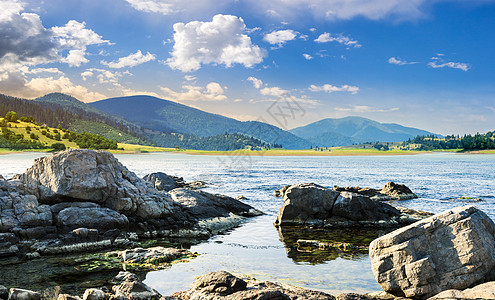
x,y
154,255
97,218
202,205
132,288
4,293
223,285
482,291
450,250
309,204
164,182
196,184
67,297
391,191
20,294
94,294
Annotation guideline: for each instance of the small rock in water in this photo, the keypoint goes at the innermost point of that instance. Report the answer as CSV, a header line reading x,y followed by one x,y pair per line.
x,y
21,294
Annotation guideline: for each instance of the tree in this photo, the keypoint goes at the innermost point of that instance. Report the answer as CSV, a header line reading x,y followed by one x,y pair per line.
x,y
58,146
11,116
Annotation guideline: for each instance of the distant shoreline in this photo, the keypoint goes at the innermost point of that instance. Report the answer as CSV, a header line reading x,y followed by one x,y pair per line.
x,y
137,149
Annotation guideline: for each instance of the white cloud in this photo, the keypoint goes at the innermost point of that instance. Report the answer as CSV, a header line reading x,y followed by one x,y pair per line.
x,y
343,9
312,29
453,65
280,37
307,56
344,40
221,41
212,92
153,6
26,70
103,76
76,58
274,91
364,109
190,78
398,61
257,83
130,61
331,88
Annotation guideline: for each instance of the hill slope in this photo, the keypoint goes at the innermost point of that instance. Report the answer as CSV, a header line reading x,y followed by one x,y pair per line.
x,y
167,116
350,130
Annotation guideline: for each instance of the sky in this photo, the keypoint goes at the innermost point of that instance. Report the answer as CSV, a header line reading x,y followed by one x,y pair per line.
x,y
428,64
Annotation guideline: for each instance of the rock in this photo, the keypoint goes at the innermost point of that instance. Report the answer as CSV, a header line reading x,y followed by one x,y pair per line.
x,y
482,291
391,191
67,297
154,255
196,184
94,294
223,285
77,175
202,205
132,288
97,218
20,294
306,201
164,182
309,204
357,207
450,250
4,293
281,192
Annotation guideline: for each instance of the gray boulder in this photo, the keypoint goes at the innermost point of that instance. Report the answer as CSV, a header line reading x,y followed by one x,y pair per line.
x,y
164,182
20,294
132,288
96,218
4,292
482,291
223,285
94,294
313,205
450,250
391,191
203,206
78,175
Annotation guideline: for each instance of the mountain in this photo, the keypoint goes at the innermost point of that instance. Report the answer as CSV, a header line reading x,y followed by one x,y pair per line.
x,y
354,130
166,116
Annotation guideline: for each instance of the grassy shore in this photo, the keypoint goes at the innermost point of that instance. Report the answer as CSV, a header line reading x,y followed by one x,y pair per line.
x,y
335,151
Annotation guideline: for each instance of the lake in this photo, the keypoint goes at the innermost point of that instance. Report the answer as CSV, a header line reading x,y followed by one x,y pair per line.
x,y
258,249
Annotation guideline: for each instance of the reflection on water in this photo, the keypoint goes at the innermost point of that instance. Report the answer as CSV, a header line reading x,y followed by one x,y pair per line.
x,y
359,240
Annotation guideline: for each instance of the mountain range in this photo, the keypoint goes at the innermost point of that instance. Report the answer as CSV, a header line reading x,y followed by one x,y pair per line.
x,y
166,123
354,130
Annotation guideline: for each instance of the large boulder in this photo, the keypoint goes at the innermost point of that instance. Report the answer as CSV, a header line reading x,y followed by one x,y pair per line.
x,y
99,218
313,205
482,291
79,175
450,250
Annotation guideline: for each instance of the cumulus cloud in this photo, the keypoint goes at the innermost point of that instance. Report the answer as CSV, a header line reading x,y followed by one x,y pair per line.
x,y
364,109
130,61
453,65
343,40
153,6
280,37
103,76
257,83
307,56
212,92
331,88
398,61
221,41
274,91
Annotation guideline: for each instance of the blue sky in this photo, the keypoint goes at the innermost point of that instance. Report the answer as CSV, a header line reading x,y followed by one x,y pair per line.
x,y
427,64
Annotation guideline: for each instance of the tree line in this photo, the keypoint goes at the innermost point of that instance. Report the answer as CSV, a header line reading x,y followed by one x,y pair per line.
x,y
467,142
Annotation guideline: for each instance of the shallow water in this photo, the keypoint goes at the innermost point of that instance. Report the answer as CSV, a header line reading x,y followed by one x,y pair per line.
x,y
257,249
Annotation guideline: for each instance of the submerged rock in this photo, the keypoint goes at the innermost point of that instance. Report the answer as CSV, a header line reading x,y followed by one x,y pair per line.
x,y
153,256
313,205
450,250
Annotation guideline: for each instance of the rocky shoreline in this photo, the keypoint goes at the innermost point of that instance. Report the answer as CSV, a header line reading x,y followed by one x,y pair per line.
x,y
85,201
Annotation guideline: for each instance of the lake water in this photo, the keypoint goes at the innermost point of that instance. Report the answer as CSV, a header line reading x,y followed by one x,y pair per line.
x,y
257,249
